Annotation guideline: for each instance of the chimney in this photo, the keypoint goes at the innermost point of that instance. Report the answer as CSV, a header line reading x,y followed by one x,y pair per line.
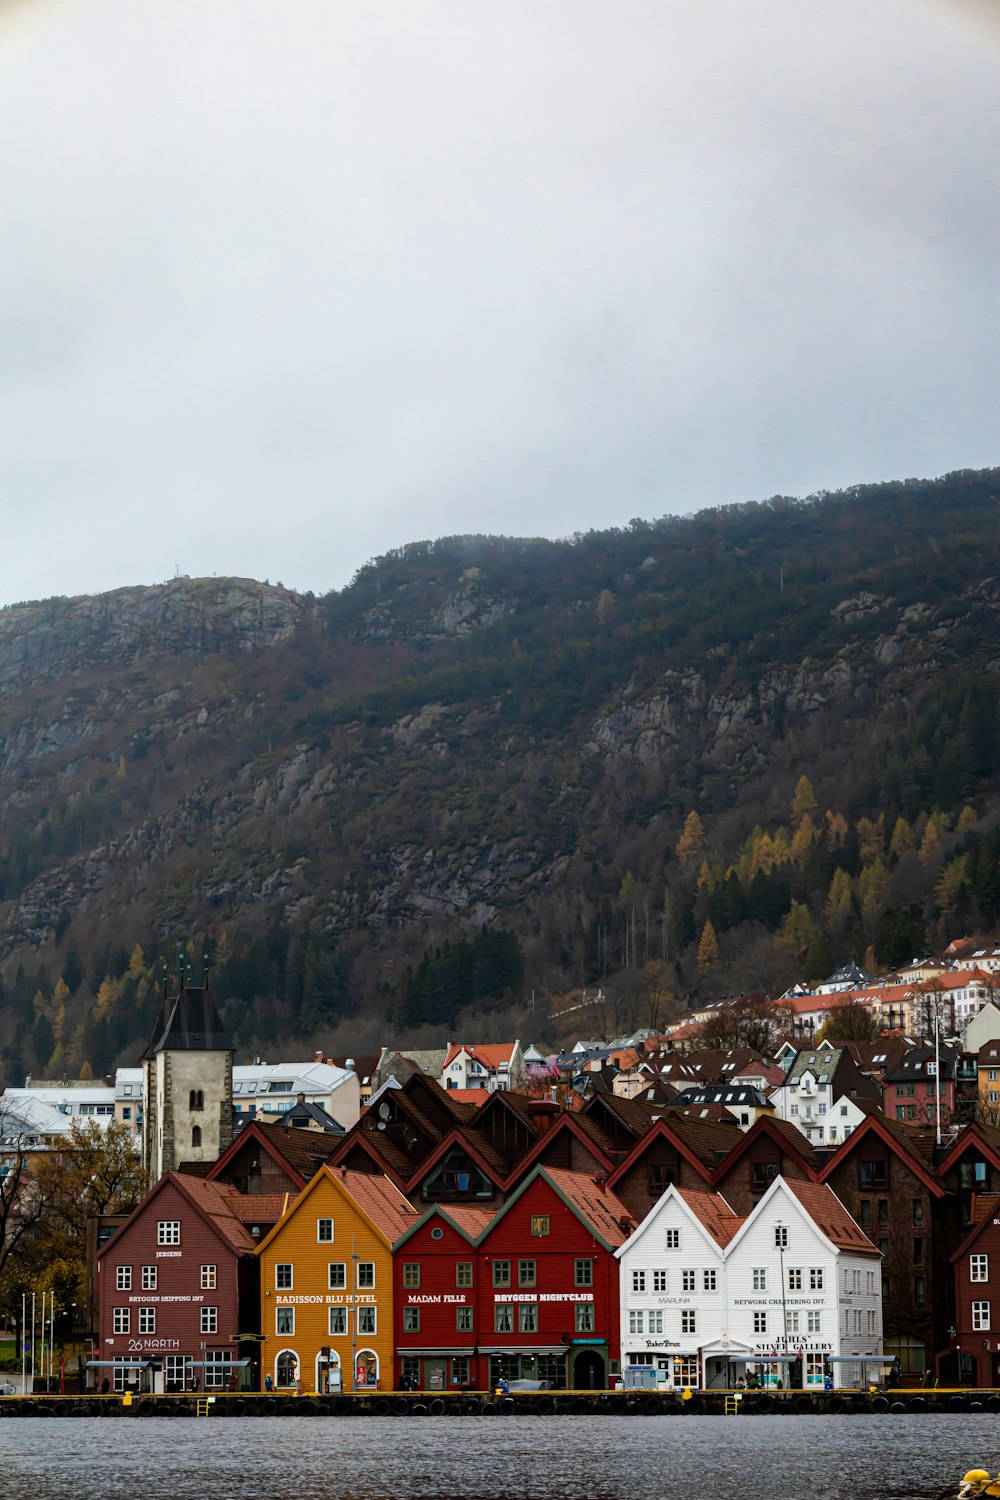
x,y
602,1182
318,1057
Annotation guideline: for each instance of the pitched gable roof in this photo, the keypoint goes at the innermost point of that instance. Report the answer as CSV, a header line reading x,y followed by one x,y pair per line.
x,y
378,1199
215,1202
190,1022
789,1140
914,1146
713,1212
602,1213
829,1214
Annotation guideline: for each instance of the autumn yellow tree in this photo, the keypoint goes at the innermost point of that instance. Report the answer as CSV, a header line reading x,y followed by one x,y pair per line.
x,y
930,843
692,840
797,930
708,949
804,802
840,900
903,839
871,838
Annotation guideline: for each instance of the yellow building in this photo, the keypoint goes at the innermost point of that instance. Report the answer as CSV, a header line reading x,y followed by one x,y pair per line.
x,y
326,1284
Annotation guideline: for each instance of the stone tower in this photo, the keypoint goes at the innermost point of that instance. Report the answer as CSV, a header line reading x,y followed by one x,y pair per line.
x,y
188,1069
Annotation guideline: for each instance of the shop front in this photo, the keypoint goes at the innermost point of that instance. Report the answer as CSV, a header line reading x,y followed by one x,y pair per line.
x,y
437,1369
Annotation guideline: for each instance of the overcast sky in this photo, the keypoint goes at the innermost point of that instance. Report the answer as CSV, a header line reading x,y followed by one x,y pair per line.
x,y
285,285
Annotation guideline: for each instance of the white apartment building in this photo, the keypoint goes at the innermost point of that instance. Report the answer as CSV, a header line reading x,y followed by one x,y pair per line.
x,y
793,1293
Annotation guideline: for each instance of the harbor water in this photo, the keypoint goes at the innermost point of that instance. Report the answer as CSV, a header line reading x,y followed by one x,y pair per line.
x,y
500,1458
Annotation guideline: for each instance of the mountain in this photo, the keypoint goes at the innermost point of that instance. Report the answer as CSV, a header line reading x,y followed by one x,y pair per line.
x,y
463,778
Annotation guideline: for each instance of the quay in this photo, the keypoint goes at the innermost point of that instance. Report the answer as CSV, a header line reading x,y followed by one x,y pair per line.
x,y
536,1403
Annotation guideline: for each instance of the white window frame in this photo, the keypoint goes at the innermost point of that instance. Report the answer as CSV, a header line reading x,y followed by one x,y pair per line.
x,y
168,1232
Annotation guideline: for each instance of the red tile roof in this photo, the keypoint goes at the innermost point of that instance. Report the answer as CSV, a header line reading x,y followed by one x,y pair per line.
x,y
829,1214
214,1199
468,1218
380,1199
491,1055
712,1210
601,1209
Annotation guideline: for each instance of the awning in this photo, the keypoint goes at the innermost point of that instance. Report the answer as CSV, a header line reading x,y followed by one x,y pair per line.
x,y
436,1353
858,1359
773,1359
522,1348
118,1364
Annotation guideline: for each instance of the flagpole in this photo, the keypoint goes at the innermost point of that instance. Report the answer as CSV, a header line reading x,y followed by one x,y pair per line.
x,y
24,1347
32,1341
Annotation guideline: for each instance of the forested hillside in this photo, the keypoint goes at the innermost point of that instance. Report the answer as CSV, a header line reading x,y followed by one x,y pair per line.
x,y
462,788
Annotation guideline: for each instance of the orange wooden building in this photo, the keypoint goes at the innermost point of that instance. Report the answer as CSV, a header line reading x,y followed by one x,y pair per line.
x,y
327,1285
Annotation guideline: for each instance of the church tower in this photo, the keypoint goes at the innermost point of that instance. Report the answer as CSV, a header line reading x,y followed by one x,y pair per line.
x,y
188,1067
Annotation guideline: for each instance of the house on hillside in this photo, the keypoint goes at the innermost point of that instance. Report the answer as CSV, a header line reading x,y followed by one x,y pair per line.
x,y
820,1088
490,1067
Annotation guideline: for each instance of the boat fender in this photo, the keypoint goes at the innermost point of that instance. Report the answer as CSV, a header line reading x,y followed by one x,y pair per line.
x,y
437,1407
880,1404
419,1409
835,1404
383,1407
898,1406
545,1406
489,1408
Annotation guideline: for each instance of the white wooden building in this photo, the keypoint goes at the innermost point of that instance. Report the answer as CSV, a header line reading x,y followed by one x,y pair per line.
x,y
791,1294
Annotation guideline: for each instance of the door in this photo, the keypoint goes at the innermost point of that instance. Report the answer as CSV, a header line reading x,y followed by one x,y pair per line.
x,y
588,1371
434,1372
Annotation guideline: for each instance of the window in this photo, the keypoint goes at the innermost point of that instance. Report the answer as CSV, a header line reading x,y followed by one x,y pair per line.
x,y
795,1278
526,1273
760,1279
463,1319
336,1272
366,1319
463,1273
979,1268
147,1320
659,1281
501,1273
673,1239
815,1278
709,1280
123,1279
866,1213
209,1320
539,1223
338,1321
324,1231
460,1370
503,1317
780,1237
638,1281
584,1317
814,1321
918,1252
763,1173
980,1315
688,1280
366,1274
208,1278
792,1322
659,1176
689,1320
873,1174
168,1232
122,1323
196,1099
411,1319
760,1322
411,1273
282,1277
883,1213
919,1294
149,1278
196,1136
218,1368
655,1316
686,1370
583,1273
527,1317
284,1320
636,1320
918,1210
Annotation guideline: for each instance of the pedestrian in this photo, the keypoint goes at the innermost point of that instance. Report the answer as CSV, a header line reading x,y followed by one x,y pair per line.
x,y
268,1384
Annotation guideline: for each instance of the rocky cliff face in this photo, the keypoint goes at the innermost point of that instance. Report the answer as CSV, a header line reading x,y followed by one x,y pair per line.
x,y
59,638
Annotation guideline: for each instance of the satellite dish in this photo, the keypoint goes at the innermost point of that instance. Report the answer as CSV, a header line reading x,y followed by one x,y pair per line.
x,y
381,1124
383,1110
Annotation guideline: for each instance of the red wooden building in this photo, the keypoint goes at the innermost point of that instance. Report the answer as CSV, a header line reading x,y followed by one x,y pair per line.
x,y
972,1356
177,1285
527,1293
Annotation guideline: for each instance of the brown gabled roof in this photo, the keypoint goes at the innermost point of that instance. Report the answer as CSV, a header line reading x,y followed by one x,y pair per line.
x,y
916,1145
300,1152
712,1210
829,1214
709,1140
975,1133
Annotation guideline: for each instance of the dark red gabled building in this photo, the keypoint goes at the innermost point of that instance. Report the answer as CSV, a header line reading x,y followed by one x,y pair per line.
x,y
770,1148
547,1304
177,1285
972,1355
435,1278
